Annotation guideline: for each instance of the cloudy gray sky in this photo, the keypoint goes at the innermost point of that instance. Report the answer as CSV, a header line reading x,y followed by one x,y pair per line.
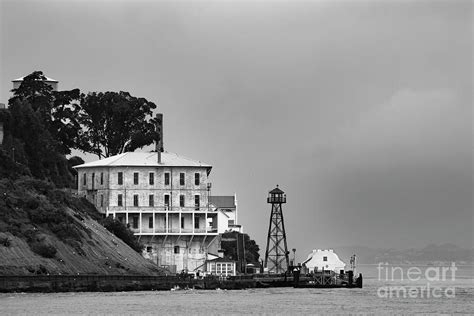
x,y
360,110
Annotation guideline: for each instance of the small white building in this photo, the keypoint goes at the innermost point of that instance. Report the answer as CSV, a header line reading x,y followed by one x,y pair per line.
x,y
221,267
324,259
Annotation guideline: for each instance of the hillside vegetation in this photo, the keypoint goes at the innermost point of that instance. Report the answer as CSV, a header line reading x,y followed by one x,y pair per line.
x,y
44,230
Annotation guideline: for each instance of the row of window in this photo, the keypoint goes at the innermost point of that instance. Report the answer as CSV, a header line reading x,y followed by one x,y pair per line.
x,y
176,249
222,268
150,222
151,200
151,178
84,178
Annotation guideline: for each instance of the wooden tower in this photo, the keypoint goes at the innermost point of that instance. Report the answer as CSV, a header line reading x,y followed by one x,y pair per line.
x,y
276,255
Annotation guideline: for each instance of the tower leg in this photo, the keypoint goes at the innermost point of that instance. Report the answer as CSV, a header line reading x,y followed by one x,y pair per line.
x,y
276,254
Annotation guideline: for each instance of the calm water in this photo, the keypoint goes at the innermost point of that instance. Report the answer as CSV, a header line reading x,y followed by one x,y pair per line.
x,y
281,301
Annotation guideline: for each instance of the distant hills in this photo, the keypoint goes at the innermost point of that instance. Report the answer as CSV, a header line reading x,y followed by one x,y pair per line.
x,y
430,254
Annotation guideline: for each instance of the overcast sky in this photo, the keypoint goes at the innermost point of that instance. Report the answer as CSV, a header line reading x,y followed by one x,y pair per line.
x,y
360,110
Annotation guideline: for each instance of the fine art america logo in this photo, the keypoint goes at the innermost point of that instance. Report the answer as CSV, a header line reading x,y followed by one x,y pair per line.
x,y
431,289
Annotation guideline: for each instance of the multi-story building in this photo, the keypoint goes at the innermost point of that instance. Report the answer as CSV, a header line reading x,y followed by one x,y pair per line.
x,y
165,199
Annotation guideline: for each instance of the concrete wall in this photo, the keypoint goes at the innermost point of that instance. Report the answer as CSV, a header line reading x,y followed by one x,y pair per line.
x,y
223,218
191,255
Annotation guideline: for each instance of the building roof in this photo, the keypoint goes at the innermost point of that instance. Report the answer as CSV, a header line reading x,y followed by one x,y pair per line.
x,y
47,79
276,191
145,159
222,201
221,260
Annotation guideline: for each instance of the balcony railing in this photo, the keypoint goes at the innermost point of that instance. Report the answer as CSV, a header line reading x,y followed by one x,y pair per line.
x,y
149,209
174,230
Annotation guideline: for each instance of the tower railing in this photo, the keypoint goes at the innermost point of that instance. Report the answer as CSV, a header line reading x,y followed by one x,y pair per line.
x,y
276,199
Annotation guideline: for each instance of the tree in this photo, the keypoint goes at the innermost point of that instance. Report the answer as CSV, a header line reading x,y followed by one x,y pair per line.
x,y
31,144
115,123
57,110
104,124
122,232
231,244
74,161
40,129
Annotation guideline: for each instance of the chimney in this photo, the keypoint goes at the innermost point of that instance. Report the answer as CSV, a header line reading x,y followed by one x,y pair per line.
x,y
159,129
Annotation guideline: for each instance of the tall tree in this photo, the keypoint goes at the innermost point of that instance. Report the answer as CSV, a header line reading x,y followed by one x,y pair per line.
x,y
57,110
231,245
116,122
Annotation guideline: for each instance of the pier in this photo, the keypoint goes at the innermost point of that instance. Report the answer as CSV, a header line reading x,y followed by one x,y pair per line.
x,y
110,283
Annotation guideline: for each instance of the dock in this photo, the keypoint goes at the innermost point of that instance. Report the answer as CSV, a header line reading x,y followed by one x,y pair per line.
x,y
111,283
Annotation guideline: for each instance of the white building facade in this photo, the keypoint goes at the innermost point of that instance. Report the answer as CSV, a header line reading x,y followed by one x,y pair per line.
x,y
324,260
165,200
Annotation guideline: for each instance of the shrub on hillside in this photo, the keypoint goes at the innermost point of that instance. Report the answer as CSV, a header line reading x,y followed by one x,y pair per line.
x,y
44,250
122,232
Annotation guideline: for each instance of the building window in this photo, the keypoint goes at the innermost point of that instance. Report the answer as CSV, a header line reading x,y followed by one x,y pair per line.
x,y
84,179
167,178
196,222
197,178
196,202
181,178
150,222
151,200
167,201
120,200
135,200
101,200
325,258
149,248
101,178
135,222
152,178
120,178
182,222
181,200
176,249
135,178
230,222
93,180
